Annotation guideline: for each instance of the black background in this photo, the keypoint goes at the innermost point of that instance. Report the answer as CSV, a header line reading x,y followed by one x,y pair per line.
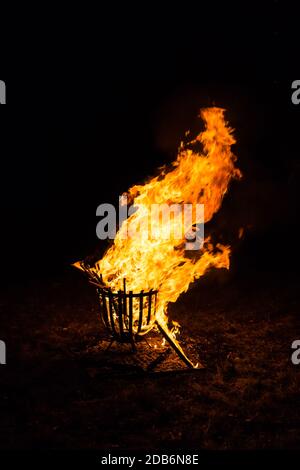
x,y
95,105
59,165
90,115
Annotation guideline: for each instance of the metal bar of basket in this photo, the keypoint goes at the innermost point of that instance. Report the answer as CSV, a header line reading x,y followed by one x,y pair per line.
x,y
141,312
130,314
149,307
120,313
103,311
125,313
111,313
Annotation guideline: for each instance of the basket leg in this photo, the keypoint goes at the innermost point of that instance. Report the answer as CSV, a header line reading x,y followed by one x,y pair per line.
x,y
161,358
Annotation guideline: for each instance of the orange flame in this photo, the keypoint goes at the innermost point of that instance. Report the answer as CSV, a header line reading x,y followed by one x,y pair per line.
x,y
160,262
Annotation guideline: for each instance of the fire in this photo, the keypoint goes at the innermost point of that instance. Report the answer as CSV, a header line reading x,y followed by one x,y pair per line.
x,y
156,261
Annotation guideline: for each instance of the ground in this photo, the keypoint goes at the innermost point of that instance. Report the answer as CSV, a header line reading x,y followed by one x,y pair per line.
x,y
60,390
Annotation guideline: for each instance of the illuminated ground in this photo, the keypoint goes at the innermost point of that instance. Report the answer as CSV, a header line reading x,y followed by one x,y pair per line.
x,y
59,391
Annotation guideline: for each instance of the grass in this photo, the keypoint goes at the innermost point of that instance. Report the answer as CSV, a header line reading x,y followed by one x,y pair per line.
x,y
58,390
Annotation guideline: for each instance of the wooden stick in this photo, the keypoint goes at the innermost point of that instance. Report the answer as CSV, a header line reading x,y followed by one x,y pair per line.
x,y
179,352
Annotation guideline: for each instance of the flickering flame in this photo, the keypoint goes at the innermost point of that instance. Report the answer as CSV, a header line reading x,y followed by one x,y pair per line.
x,y
161,262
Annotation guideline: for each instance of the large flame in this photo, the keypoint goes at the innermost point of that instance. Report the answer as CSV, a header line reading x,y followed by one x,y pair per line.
x,y
161,262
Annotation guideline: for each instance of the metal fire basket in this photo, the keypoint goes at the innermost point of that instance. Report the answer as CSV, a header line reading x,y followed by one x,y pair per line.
x,y
116,310
129,316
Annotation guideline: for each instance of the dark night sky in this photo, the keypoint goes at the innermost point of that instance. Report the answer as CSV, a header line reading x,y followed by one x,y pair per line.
x,y
87,121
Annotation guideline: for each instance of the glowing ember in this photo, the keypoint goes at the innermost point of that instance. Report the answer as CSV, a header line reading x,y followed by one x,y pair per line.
x,y
159,262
